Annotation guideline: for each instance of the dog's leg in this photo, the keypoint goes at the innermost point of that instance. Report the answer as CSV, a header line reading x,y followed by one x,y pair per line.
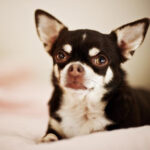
x,y
54,132
51,135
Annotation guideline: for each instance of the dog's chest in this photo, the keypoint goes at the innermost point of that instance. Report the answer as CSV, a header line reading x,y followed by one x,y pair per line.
x,y
82,115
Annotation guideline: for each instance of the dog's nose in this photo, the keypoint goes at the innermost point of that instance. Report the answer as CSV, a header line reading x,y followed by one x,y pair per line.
x,y
76,70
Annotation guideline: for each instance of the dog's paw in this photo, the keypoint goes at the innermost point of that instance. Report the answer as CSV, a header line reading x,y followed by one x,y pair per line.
x,y
49,138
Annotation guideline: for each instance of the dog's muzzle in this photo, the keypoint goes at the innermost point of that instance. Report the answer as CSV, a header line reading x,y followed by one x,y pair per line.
x,y
75,77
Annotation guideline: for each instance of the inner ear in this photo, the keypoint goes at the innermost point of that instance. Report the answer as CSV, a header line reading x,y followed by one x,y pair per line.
x,y
131,36
48,28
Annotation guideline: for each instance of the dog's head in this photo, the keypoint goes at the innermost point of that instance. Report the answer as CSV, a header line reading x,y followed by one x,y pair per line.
x,y
86,59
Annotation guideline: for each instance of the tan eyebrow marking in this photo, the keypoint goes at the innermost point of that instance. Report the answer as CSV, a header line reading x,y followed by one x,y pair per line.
x,y
67,48
94,51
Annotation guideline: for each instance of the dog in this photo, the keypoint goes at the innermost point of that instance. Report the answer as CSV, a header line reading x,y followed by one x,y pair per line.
x,y
91,93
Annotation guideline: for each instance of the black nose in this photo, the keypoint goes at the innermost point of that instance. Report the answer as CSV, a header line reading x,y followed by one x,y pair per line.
x,y
76,70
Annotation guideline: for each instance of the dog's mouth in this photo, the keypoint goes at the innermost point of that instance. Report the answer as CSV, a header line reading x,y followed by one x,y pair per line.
x,y
76,85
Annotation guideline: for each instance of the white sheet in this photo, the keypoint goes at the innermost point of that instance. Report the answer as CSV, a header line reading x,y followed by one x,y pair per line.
x,y
19,132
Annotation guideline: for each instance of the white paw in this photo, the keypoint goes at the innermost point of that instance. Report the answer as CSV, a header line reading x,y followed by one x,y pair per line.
x,y
49,138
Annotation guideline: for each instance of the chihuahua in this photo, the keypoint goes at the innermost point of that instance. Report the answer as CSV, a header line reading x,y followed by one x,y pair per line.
x,y
91,93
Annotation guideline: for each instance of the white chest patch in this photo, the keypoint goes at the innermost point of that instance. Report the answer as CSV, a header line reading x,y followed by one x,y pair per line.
x,y
81,114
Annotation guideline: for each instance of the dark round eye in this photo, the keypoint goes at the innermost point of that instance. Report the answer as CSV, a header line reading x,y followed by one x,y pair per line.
x,y
100,60
61,56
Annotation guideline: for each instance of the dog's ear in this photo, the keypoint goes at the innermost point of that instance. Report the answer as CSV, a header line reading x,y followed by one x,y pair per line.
x,y
131,36
48,28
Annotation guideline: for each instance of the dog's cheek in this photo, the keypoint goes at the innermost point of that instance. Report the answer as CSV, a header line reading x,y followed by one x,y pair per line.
x,y
108,76
56,71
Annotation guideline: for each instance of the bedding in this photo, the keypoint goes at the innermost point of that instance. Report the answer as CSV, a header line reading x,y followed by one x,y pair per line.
x,y
23,132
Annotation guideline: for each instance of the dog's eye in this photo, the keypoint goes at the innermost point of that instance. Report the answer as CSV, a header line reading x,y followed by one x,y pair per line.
x,y
61,56
100,60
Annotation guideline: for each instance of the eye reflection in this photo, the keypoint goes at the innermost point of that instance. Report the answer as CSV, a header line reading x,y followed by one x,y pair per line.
x,y
99,60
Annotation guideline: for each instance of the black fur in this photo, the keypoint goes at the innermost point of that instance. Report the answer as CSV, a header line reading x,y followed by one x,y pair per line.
x,y
55,100
128,107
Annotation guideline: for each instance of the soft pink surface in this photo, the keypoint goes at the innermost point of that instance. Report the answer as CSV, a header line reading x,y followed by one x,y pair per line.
x,y
24,116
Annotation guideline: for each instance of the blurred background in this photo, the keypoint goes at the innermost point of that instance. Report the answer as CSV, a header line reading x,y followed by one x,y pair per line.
x,y
25,66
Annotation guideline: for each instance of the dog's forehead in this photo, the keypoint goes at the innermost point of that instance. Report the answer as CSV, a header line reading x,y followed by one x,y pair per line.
x,y
82,40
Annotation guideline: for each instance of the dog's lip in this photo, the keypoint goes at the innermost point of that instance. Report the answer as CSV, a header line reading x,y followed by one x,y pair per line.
x,y
76,86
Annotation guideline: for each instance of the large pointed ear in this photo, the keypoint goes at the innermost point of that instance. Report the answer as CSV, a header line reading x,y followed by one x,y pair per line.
x,y
131,36
48,28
